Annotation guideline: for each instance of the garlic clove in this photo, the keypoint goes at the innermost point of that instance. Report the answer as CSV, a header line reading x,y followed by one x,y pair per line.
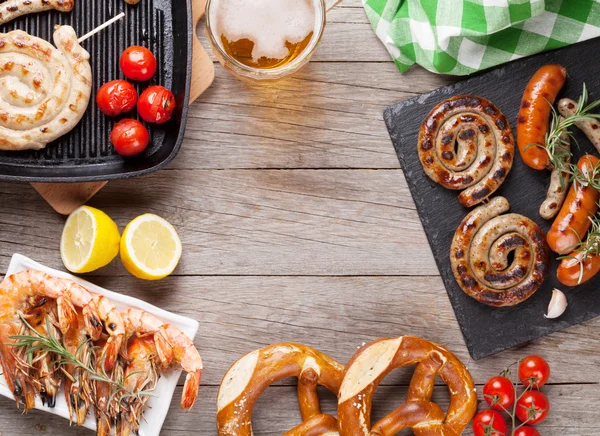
x,y
558,304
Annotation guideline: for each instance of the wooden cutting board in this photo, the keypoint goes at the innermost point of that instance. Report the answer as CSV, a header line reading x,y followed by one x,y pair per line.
x,y
66,197
490,330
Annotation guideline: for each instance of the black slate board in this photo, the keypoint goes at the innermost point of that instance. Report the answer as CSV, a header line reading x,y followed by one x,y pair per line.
x,y
490,330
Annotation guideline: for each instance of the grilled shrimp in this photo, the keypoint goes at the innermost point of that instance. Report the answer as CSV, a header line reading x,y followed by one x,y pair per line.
x,y
141,375
95,308
45,375
21,293
172,346
78,389
107,410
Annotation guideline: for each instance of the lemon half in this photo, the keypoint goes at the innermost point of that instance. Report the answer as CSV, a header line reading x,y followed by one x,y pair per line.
x,y
90,240
150,247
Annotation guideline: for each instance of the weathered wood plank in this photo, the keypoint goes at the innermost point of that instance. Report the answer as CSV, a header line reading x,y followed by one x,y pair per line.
x,y
277,412
328,116
336,222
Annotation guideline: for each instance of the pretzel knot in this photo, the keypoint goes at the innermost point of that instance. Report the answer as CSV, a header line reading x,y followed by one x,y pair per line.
x,y
374,361
250,376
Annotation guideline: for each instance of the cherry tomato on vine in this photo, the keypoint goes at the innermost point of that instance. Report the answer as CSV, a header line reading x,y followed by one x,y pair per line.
x,y
534,370
532,407
116,97
156,105
129,137
138,63
499,392
526,431
489,423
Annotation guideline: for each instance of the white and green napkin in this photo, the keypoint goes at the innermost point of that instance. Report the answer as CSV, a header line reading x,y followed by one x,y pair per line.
x,y
461,37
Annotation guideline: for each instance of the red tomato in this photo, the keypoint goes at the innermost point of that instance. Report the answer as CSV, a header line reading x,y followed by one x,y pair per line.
x,y
527,431
156,105
129,137
532,407
116,97
499,393
138,63
489,423
534,369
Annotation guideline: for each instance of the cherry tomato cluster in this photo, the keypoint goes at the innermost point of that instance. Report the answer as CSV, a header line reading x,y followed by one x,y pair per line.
x,y
530,407
155,105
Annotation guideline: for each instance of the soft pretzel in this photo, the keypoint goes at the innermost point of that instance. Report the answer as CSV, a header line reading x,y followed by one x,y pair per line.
x,y
374,361
250,376
466,143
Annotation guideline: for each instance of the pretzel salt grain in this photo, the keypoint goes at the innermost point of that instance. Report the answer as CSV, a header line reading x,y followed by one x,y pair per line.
x,y
374,361
250,376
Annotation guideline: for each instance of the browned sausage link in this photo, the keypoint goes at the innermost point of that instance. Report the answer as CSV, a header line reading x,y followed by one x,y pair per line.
x,y
567,108
12,9
466,143
559,186
480,255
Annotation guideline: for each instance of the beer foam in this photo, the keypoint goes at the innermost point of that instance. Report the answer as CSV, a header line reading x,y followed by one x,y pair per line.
x,y
268,23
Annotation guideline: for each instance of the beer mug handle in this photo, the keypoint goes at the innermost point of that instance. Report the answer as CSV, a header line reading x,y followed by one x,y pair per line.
x,y
330,4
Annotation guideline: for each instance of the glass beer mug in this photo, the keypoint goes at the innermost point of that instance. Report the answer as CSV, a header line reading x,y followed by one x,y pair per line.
x,y
265,40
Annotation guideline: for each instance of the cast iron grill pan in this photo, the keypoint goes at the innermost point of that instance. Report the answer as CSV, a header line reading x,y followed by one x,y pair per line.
x,y
86,154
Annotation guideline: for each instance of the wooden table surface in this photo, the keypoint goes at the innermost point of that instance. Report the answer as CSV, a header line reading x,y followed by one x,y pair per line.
x,y
297,225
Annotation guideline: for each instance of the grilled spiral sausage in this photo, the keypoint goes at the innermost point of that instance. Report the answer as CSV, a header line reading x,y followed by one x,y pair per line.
x,y
480,255
466,143
12,9
44,91
534,115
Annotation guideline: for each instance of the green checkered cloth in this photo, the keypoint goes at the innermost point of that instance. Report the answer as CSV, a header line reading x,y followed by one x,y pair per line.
x,y
461,37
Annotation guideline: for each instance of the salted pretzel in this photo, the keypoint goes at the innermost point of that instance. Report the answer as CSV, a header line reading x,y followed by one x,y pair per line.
x,y
374,361
250,376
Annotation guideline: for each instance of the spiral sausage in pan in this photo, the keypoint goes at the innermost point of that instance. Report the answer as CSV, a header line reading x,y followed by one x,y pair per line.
x,y
466,143
11,9
480,255
44,91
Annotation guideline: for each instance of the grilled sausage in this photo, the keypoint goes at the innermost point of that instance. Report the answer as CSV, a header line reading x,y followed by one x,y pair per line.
x,y
465,142
572,223
480,251
567,108
573,271
44,90
11,9
559,186
534,115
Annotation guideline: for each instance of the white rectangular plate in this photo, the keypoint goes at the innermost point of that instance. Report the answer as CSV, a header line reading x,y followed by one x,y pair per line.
x,y
158,405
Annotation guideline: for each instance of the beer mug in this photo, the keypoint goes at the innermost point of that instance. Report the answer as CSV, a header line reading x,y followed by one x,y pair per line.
x,y
261,41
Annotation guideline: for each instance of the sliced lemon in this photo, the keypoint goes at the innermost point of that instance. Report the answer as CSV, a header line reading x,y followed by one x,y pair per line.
x,y
90,240
150,247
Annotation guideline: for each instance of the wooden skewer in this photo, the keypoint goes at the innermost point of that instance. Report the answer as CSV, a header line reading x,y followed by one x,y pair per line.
x,y
101,27
333,5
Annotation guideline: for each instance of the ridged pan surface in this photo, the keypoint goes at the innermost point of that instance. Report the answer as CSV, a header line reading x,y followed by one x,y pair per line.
x,y
86,153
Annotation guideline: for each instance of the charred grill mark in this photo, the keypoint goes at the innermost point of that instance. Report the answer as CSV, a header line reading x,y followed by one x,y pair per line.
x,y
467,134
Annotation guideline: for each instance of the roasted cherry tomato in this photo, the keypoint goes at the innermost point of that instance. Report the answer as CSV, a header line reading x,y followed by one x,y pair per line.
x,y
156,105
526,431
489,423
532,407
129,137
138,63
116,97
534,370
499,392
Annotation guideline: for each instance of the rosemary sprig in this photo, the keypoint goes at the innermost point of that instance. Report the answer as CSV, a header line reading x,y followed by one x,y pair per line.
x,y
560,135
50,344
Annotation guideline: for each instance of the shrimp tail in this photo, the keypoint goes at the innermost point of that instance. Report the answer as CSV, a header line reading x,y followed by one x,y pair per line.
x,y
190,389
111,351
103,424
